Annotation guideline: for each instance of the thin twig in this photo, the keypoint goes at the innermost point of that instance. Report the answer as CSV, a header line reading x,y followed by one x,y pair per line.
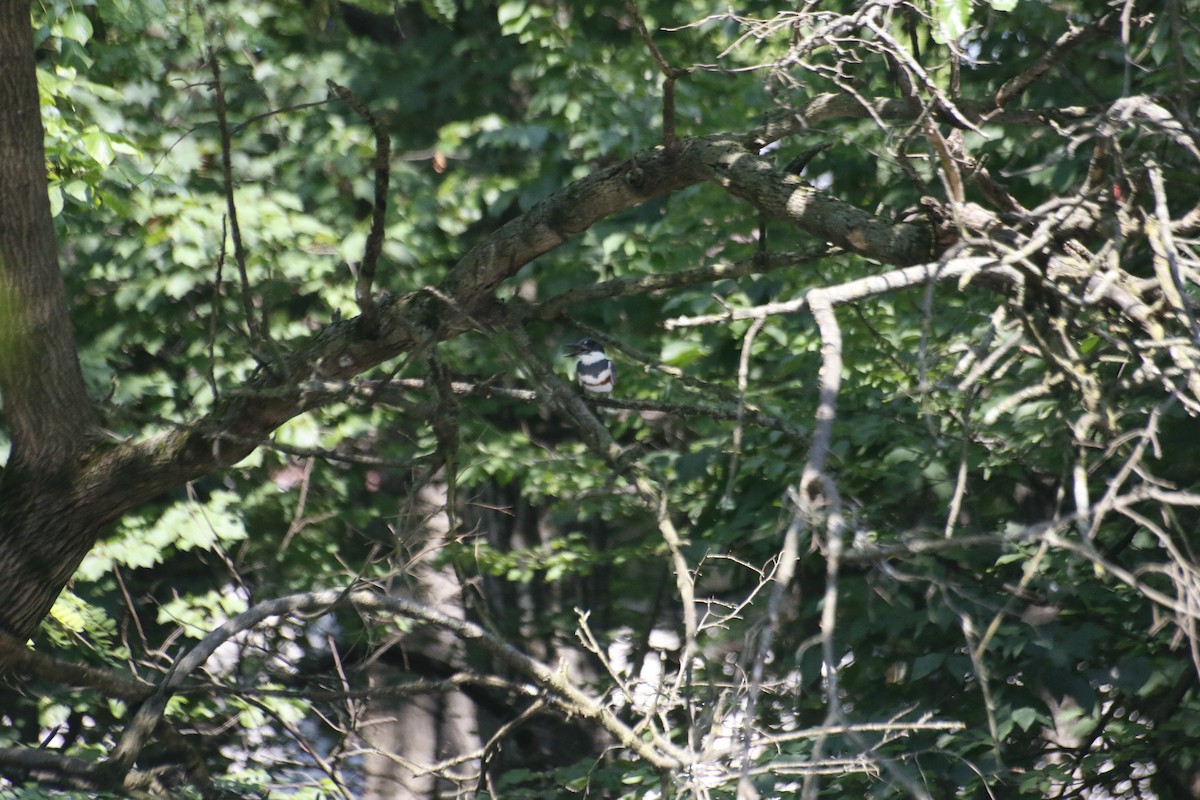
x,y
210,373
743,380
1061,47
239,249
557,305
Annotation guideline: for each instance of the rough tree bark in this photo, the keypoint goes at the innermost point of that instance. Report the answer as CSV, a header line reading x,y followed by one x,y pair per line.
x,y
46,409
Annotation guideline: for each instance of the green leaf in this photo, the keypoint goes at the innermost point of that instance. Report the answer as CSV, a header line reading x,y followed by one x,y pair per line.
x,y
1025,717
76,27
179,284
67,611
56,198
98,146
925,664
951,17
78,190
510,15
681,353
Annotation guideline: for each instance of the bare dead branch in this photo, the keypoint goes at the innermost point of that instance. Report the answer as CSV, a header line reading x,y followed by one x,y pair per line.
x,y
684,580
944,103
656,751
823,108
1166,256
816,496
964,268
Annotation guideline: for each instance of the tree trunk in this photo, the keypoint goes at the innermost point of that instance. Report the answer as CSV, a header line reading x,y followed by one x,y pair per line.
x,y
46,409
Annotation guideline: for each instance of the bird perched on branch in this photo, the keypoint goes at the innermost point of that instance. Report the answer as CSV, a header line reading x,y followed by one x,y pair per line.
x,y
593,369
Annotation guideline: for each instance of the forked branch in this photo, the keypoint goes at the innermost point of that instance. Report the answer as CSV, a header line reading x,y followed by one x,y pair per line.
x,y
382,165
670,75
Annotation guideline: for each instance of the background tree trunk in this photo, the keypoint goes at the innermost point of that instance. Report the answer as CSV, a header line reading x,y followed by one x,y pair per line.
x,y
418,732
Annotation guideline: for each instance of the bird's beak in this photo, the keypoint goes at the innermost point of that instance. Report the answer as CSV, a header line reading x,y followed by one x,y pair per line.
x,y
573,349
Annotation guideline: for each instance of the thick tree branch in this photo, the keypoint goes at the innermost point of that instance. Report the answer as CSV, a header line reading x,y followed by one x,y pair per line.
x,y
54,769
743,174
31,663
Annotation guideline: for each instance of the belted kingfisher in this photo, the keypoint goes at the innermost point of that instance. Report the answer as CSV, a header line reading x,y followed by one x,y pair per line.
x,y
594,370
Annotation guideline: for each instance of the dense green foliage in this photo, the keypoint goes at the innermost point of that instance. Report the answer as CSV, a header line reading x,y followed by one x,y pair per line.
x,y
1047,648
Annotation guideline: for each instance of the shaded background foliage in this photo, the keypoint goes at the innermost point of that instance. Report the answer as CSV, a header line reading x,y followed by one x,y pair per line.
x,y
1084,683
